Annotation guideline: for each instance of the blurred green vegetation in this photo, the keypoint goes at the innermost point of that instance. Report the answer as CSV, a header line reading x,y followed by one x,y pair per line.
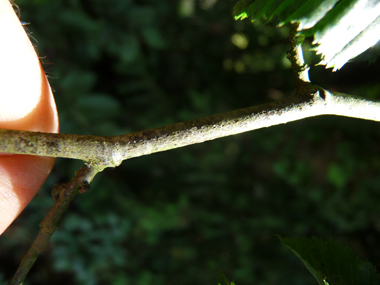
x,y
181,216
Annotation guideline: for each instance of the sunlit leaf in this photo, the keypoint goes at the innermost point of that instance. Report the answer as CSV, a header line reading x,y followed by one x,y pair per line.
x,y
342,29
354,33
308,13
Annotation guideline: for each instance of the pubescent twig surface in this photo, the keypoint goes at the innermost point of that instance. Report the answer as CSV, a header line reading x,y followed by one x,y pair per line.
x,y
101,152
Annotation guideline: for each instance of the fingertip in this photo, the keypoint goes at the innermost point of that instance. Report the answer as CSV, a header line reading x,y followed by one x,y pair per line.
x,y
41,117
26,103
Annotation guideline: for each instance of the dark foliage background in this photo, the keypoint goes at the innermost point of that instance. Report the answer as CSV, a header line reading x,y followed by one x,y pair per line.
x,y
181,216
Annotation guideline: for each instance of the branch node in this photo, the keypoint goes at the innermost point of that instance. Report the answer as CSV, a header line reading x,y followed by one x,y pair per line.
x,y
57,190
84,188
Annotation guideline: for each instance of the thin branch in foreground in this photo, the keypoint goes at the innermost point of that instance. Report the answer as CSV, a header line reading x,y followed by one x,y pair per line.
x,y
63,194
102,152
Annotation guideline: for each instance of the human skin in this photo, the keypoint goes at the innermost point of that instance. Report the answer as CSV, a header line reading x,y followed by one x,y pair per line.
x,y
26,103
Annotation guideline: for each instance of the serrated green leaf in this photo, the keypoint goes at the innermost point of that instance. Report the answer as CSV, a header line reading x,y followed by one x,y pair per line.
x,y
332,263
360,43
239,9
354,30
288,10
286,7
256,9
341,29
308,14
274,7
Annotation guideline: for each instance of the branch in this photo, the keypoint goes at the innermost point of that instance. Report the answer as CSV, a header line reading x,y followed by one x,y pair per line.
x,y
102,152
63,194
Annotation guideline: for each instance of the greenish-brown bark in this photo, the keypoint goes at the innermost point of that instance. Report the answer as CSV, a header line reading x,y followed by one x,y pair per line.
x,y
105,152
102,152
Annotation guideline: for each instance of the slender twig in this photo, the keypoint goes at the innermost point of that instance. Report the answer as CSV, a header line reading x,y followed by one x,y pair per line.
x,y
63,195
100,152
111,151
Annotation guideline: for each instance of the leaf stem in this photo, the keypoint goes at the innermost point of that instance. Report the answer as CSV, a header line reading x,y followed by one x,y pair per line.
x,y
295,55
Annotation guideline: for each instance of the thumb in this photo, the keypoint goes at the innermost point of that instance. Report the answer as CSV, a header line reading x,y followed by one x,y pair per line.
x,y
26,103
